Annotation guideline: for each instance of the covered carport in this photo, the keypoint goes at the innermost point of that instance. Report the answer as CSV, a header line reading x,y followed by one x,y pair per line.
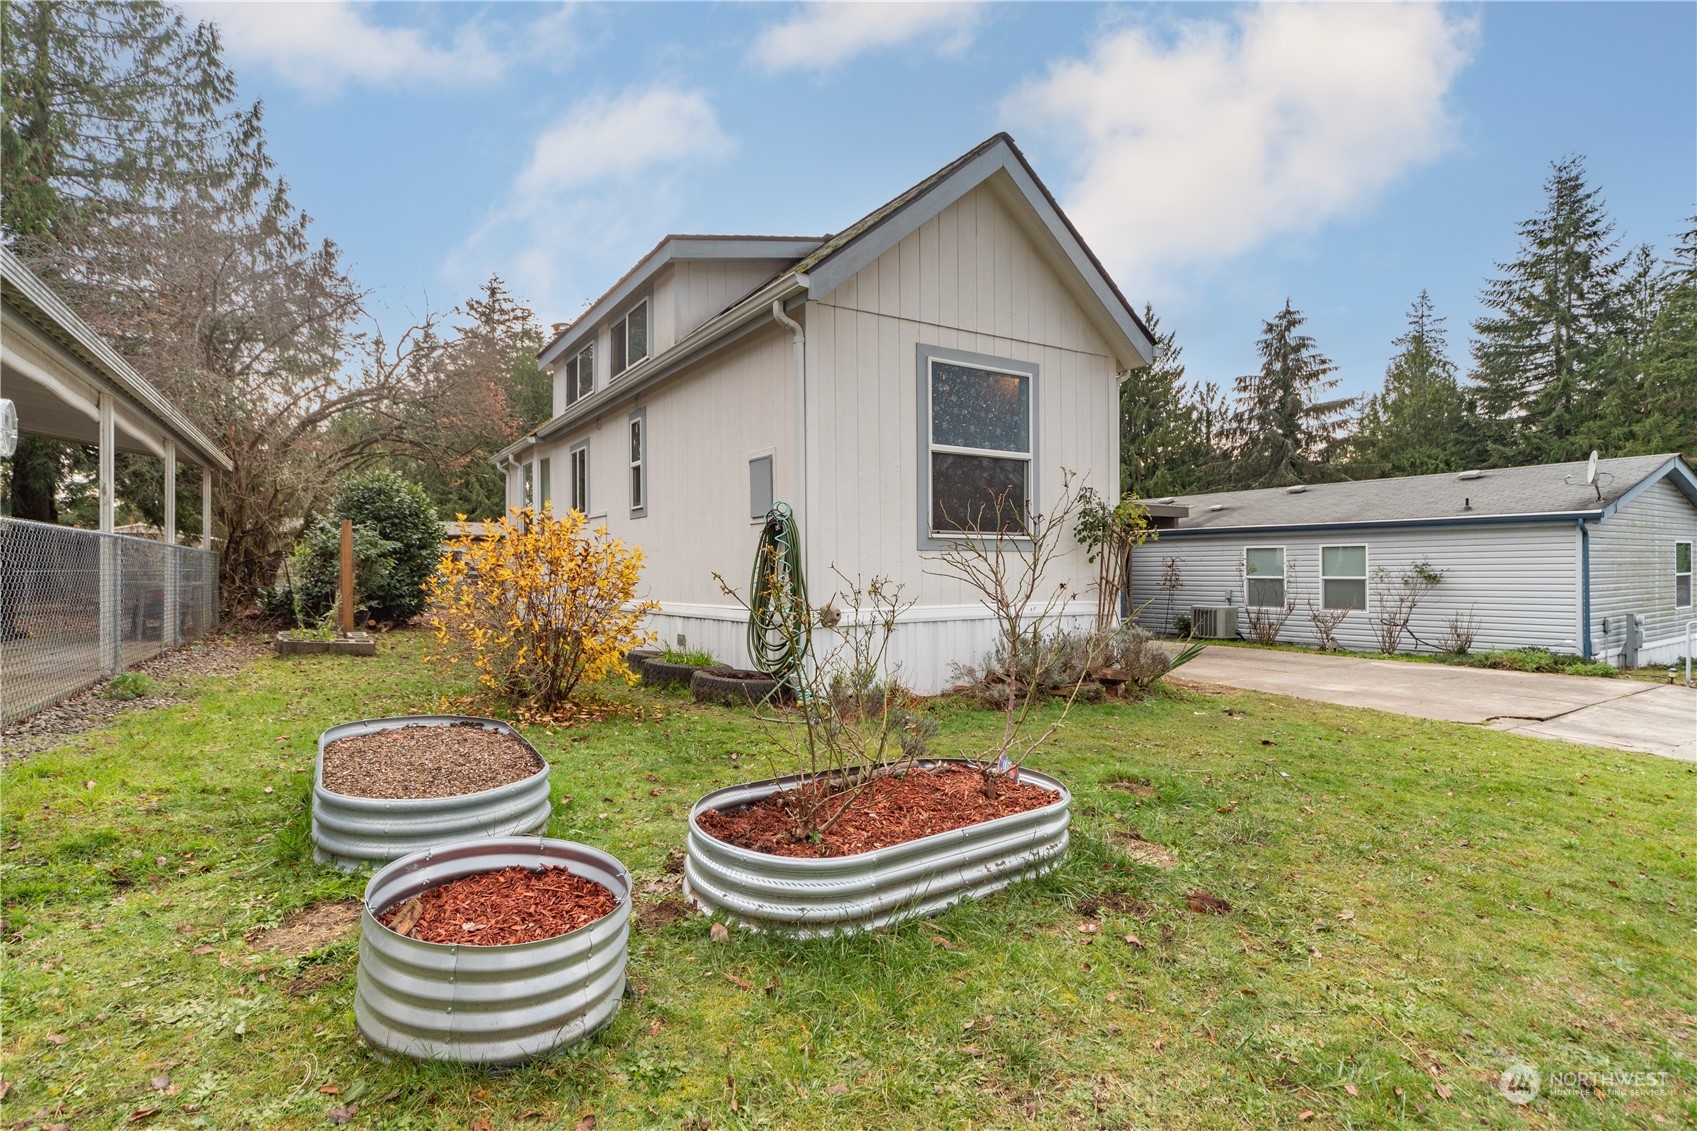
x,y
77,605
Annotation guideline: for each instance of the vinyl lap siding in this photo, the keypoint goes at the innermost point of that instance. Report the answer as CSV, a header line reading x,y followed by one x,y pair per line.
x,y
1632,572
1517,582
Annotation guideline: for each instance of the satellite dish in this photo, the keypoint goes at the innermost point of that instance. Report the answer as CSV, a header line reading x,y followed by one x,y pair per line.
x,y
1591,469
8,428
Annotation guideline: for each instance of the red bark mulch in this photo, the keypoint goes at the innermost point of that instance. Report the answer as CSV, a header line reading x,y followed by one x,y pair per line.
x,y
508,905
892,810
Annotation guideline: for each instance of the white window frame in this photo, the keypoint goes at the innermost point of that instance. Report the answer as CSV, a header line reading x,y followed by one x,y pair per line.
x,y
1366,573
619,341
544,484
527,483
1677,543
1283,578
583,359
929,357
577,461
636,426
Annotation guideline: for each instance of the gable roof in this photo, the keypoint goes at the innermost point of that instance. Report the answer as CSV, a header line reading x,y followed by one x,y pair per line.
x,y
1498,496
847,252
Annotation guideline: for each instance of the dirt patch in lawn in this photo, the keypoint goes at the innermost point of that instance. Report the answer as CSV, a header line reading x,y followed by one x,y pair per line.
x,y
309,929
503,907
313,979
893,809
1142,851
1137,787
412,762
652,915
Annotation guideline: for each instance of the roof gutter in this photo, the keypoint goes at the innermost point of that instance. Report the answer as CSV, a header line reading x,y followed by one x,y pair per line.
x,y
799,339
1543,519
752,311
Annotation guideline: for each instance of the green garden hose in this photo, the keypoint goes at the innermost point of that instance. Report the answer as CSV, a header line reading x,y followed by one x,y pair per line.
x,y
779,620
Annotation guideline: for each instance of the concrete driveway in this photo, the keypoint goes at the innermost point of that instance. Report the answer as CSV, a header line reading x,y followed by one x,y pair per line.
x,y
1625,714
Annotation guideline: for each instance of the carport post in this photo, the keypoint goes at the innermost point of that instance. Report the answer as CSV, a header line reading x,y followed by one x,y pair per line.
x,y
170,631
205,507
111,642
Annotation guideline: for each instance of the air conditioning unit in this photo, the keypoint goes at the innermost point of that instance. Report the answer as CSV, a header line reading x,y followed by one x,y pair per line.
x,y
1214,622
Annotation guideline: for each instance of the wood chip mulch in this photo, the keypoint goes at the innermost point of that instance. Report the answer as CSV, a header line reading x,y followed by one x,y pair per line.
x,y
893,810
414,762
499,908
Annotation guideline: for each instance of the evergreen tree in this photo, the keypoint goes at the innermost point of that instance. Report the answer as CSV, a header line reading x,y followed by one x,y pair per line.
x,y
1667,404
1543,357
1165,448
1415,425
1281,431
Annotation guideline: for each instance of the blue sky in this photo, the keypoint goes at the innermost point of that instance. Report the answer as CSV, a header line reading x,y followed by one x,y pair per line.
x,y
1217,157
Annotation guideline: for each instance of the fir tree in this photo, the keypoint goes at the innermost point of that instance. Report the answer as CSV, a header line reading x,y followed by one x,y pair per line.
x,y
1415,426
1165,448
1667,416
1281,431
1543,357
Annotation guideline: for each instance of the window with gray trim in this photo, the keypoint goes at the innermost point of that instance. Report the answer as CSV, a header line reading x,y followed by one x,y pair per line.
x,y
1343,577
578,460
630,338
580,374
978,427
545,484
1682,575
638,429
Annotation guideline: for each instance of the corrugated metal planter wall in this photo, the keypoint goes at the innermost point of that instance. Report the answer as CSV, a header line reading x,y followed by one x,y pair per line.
x,y
489,1004
813,896
351,832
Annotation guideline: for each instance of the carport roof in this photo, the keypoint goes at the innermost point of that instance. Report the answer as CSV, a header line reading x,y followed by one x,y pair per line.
x,y
1491,496
35,303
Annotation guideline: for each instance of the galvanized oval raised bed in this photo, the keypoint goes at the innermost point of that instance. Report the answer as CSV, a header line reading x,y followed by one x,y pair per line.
x,y
812,896
489,1004
352,832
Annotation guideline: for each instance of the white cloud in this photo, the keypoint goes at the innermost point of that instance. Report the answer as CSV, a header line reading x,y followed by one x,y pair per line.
x,y
598,189
328,44
1205,145
825,35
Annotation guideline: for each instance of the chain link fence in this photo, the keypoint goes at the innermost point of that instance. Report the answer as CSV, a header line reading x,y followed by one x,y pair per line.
x,y
77,606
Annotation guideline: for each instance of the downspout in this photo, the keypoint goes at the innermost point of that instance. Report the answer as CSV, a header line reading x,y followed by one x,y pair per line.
x,y
1584,590
800,508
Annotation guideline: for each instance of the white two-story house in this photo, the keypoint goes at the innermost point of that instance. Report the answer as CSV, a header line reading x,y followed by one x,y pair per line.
x,y
958,342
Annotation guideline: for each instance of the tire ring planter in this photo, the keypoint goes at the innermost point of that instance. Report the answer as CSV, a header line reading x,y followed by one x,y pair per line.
x,y
656,672
731,687
354,832
807,897
489,1005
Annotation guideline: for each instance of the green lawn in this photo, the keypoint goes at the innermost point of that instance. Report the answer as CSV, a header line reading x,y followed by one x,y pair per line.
x,y
1414,905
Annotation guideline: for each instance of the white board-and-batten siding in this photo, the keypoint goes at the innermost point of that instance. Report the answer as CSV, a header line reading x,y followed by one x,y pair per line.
x,y
1632,573
1519,584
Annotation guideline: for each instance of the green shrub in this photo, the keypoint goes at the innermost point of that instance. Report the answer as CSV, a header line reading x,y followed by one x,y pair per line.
x,y
397,543
1538,660
126,686
694,658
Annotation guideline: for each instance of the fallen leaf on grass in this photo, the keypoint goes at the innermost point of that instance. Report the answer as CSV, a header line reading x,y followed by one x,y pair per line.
x,y
1203,903
654,1027
1089,928
268,789
346,1114
481,1124
57,1038
1352,1089
1305,1116
587,1123
203,949
1134,941
5,1088
1346,915
140,1114
719,933
159,1083
330,1090
1444,1091
837,1089
944,943
742,982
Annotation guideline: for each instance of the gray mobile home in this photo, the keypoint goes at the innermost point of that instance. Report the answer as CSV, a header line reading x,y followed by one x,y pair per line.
x,y
1551,556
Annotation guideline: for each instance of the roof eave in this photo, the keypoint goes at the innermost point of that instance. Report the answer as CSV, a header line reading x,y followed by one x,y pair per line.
x,y
1545,518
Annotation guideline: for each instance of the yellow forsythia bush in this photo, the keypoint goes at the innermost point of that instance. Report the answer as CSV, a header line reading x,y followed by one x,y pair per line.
x,y
540,607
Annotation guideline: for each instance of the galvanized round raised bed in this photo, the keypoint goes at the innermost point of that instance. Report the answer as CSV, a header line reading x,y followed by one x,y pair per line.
x,y
353,832
489,1004
813,896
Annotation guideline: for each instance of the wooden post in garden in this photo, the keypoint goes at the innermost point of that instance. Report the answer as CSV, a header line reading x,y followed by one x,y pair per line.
x,y
345,621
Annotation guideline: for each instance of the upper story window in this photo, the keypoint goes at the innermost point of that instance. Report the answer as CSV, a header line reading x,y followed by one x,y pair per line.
x,y
1264,574
1682,575
1343,577
580,374
978,428
630,338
